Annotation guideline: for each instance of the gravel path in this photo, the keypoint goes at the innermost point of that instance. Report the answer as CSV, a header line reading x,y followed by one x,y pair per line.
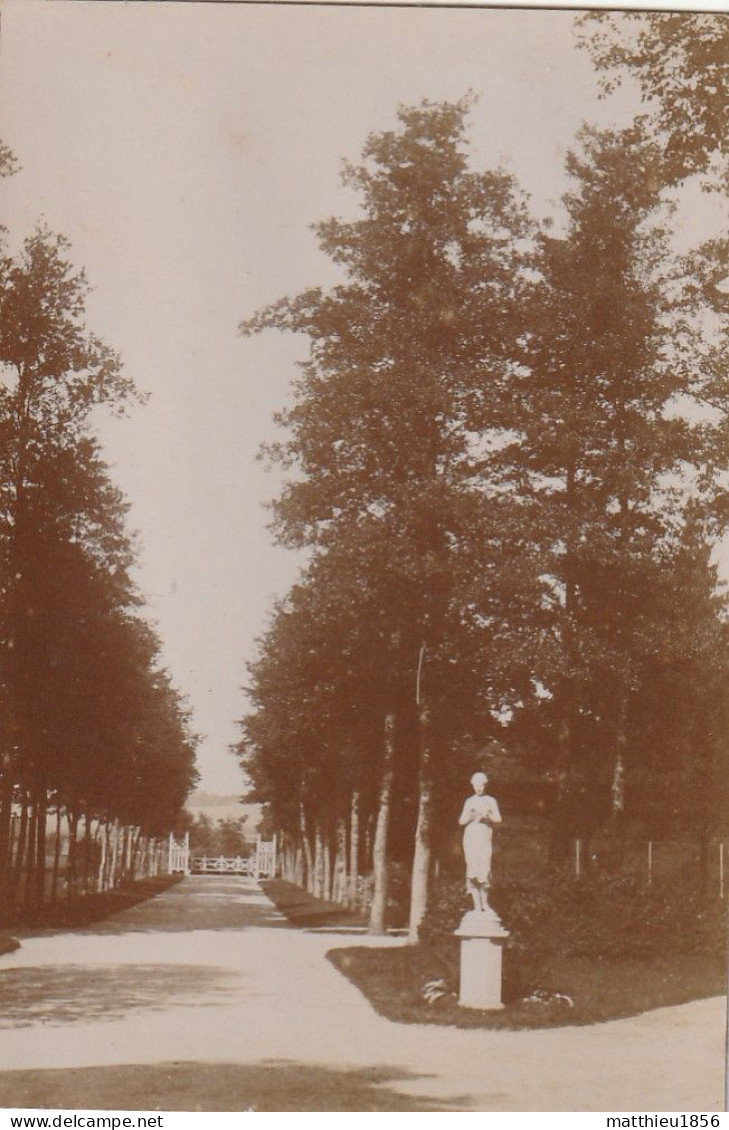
x,y
209,973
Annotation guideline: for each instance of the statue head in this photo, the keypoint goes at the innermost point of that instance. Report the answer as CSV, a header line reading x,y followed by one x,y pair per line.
x,y
479,782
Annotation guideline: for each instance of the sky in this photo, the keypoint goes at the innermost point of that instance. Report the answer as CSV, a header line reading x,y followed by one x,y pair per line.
x,y
184,150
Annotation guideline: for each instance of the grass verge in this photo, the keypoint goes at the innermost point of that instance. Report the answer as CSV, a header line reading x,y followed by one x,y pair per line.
x,y
601,989
302,909
88,909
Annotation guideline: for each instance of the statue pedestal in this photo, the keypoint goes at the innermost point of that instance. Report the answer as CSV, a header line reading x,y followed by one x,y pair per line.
x,y
482,937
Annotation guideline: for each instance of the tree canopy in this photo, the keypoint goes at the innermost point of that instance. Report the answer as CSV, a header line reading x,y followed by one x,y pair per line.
x,y
505,455
89,720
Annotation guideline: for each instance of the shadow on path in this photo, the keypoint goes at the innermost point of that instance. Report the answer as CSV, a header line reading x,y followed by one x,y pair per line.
x,y
49,994
199,902
266,1086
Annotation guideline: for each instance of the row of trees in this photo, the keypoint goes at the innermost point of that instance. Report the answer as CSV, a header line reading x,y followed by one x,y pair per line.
x,y
90,725
225,836
507,455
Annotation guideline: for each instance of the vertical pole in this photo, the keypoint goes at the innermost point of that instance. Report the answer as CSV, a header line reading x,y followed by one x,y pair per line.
x,y
650,861
578,859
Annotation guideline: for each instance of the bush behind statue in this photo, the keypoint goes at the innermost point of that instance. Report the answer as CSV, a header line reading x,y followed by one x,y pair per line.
x,y
596,915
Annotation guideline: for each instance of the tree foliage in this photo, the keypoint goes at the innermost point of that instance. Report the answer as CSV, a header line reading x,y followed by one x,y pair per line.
x,y
505,455
679,60
89,721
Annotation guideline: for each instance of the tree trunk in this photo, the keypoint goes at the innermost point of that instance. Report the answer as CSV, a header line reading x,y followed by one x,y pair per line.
x,y
617,790
562,829
31,855
40,848
318,864
87,851
308,879
143,863
353,887
327,869
21,848
339,893
621,636
134,852
101,875
56,855
379,851
290,860
12,839
72,857
114,854
422,850
6,811
125,853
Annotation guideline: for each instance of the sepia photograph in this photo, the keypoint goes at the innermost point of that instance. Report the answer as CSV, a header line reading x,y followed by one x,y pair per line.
x,y
364,558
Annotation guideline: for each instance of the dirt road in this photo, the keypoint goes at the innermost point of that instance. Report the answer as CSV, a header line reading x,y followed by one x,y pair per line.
x,y
204,999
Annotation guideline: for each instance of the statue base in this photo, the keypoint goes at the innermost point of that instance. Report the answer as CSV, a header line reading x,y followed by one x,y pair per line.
x,y
482,936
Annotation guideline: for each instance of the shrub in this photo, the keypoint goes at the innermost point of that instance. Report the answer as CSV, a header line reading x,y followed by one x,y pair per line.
x,y
446,907
598,916
398,890
8,944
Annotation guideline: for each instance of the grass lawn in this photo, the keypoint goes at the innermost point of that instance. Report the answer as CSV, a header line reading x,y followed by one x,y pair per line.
x,y
392,980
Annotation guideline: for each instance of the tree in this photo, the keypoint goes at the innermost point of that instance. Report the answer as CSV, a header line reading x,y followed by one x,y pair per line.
x,y
679,709
81,685
312,741
53,373
678,60
410,359
609,449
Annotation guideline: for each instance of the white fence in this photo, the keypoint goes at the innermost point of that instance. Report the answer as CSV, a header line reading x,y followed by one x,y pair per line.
x,y
260,865
222,865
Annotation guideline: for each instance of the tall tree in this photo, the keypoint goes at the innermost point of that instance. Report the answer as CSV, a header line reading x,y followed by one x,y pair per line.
x,y
679,60
608,444
409,360
70,649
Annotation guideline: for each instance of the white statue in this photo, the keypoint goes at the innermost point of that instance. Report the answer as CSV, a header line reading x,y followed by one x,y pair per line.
x,y
480,813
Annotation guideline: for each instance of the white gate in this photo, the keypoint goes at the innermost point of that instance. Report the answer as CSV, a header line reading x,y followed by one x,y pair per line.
x,y
260,865
266,858
179,855
222,865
